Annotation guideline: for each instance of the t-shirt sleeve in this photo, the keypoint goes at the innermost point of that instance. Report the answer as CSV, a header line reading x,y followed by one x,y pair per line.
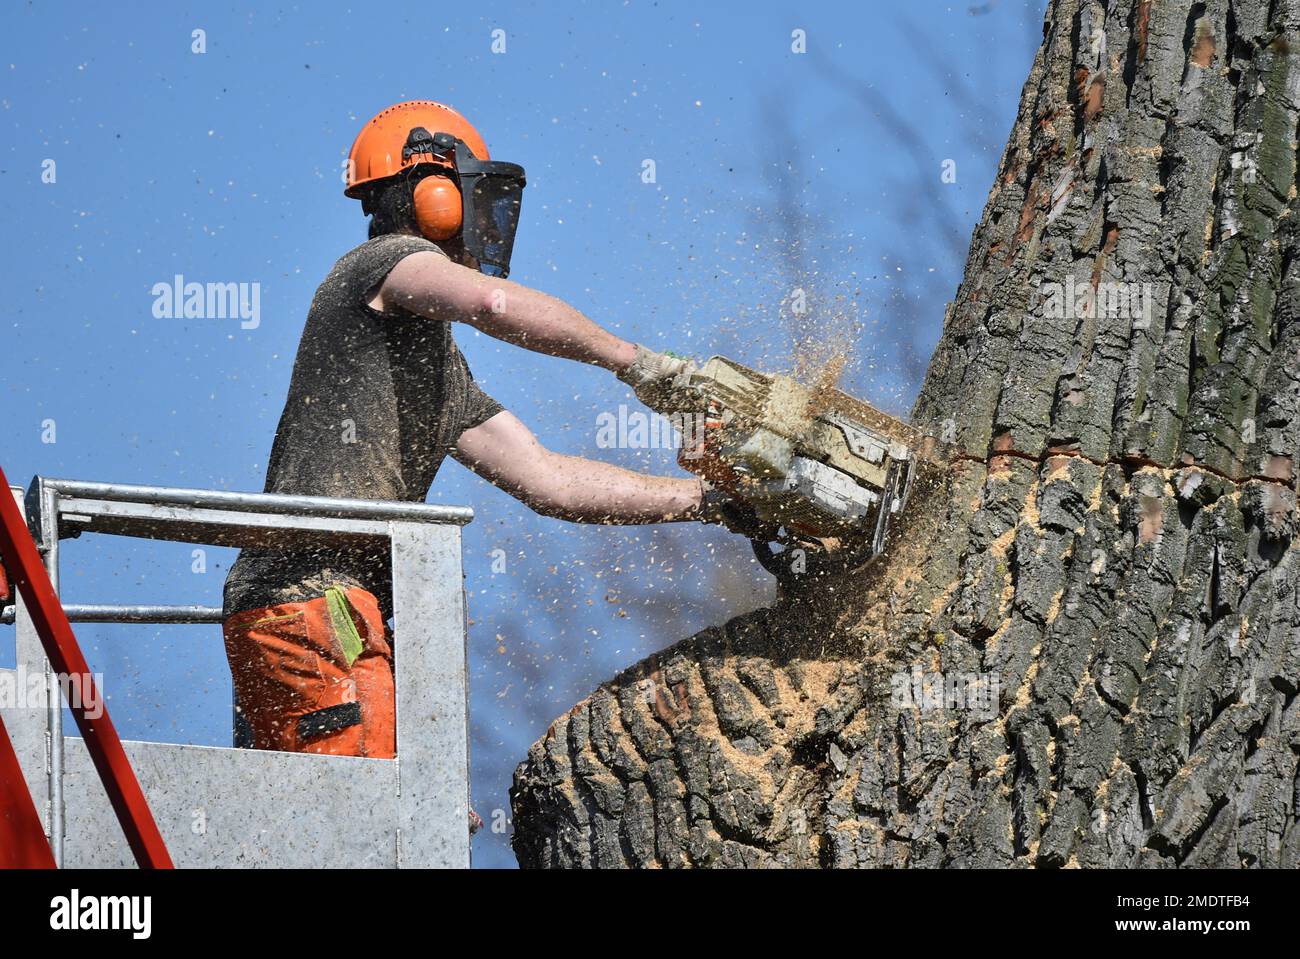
x,y
377,259
477,407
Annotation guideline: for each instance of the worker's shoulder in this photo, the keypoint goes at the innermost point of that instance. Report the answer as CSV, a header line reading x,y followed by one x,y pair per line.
x,y
353,277
386,250
366,264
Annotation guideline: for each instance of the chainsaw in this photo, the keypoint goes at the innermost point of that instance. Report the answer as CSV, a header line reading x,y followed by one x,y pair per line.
x,y
822,472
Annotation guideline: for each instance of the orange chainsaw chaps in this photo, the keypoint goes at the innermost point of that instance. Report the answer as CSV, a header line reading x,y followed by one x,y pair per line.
x,y
295,687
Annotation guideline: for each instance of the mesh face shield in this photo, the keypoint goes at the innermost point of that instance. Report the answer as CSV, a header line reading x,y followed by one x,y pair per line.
x,y
491,193
492,216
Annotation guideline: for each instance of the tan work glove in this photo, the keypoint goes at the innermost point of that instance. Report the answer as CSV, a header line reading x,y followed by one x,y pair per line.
x,y
651,376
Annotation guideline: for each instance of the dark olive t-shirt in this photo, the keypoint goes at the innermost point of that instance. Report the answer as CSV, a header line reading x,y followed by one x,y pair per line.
x,y
376,401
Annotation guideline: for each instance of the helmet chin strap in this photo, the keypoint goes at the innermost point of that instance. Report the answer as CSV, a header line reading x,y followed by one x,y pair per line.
x,y
411,181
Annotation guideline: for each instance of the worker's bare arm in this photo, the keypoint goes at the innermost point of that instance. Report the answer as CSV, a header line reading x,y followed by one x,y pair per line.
x,y
429,284
507,454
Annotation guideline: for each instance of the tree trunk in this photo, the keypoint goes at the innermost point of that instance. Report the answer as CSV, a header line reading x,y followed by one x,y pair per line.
x,y
1106,581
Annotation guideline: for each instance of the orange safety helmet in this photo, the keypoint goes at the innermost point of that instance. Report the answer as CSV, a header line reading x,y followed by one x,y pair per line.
x,y
455,187
379,151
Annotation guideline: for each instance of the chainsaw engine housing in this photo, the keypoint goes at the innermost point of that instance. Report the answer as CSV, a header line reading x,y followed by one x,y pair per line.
x,y
813,462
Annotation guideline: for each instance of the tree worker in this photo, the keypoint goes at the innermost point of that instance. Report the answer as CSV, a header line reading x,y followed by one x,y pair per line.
x,y
380,394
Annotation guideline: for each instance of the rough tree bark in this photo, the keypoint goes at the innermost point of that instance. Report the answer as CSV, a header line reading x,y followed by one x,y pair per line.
x,y
1116,550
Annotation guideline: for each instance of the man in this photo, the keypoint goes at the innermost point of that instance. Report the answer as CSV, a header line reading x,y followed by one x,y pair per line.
x,y
380,394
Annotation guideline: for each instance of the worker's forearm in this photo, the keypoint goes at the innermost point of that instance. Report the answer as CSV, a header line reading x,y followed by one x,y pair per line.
x,y
544,324
588,491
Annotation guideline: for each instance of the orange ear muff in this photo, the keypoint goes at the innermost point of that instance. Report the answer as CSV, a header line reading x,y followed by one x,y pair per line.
x,y
437,208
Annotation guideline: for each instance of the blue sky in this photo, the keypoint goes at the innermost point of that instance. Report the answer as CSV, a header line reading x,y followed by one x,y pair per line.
x,y
774,170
